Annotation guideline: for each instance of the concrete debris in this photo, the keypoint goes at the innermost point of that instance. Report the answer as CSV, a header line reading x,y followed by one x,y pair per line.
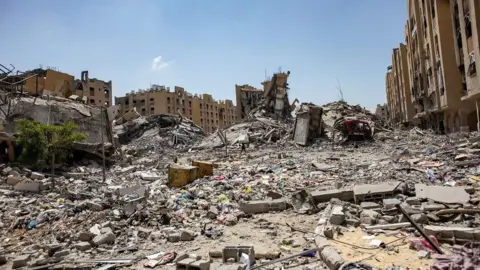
x,y
171,189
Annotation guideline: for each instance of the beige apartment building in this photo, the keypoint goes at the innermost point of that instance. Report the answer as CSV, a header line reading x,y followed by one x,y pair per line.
x,y
401,80
52,82
205,111
94,91
49,82
392,108
465,15
248,97
441,43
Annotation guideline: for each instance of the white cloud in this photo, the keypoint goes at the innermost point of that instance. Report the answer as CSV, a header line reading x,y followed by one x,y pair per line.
x,y
158,63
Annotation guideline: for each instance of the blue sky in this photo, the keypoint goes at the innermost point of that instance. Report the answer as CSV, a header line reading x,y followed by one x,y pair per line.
x,y
209,46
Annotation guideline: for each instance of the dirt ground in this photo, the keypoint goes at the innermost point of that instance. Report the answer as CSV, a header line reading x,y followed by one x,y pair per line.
x,y
396,254
265,232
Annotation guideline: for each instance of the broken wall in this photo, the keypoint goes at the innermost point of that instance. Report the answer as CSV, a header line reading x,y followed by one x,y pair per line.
x,y
55,111
308,123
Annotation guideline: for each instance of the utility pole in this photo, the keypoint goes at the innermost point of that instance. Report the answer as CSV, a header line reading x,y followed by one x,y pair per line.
x,y
103,143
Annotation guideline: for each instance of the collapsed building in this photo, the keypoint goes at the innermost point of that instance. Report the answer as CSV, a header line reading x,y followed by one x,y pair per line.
x,y
272,100
17,103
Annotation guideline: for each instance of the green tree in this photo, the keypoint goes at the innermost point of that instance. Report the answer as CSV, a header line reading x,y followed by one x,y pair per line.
x,y
46,144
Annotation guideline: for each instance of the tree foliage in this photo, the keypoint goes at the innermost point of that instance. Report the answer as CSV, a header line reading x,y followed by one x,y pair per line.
x,y
43,144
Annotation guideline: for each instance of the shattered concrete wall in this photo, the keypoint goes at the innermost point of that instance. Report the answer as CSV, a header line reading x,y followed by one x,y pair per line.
x,y
248,98
56,111
308,123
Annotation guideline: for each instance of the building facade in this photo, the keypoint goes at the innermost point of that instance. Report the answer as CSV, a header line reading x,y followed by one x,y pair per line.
x,y
441,46
205,111
247,98
50,82
381,112
401,79
465,15
390,91
94,91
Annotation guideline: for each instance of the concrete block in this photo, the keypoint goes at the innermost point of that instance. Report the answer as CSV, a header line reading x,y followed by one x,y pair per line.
x,y
454,235
183,264
337,217
13,180
420,218
374,192
174,237
20,261
36,176
85,236
263,206
327,195
441,194
108,238
352,222
186,235
370,205
433,207
235,252
28,186
331,258
413,201
83,246
390,203
369,217
200,265
62,253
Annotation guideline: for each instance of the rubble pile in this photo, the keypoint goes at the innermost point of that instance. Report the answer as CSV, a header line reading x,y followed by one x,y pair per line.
x,y
140,216
255,131
158,131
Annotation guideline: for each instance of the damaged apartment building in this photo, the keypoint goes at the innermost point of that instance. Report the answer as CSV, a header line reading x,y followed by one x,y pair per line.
x,y
40,95
272,99
203,110
51,82
433,81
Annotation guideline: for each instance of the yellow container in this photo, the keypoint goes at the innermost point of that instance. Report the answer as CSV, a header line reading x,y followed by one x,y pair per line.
x,y
204,168
179,176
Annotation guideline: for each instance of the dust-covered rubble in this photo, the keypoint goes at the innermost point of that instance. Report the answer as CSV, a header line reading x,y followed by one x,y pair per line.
x,y
178,198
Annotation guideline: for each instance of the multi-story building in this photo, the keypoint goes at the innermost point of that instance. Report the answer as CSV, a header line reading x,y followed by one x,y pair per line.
x,y
390,86
205,111
381,111
49,82
414,39
465,16
94,91
442,44
401,79
247,99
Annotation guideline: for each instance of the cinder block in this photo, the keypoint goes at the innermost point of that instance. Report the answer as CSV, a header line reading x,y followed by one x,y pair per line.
x,y
236,252
331,258
327,195
263,206
199,265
